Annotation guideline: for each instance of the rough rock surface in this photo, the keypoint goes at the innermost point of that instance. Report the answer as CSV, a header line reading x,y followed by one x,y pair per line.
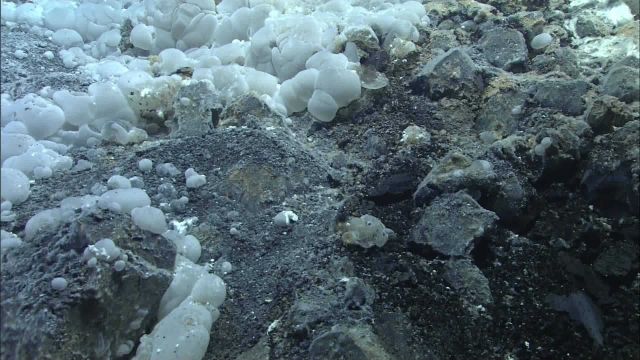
x,y
505,48
452,74
525,187
452,224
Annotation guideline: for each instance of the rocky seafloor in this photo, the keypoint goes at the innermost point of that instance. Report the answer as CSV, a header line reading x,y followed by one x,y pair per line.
x,y
512,204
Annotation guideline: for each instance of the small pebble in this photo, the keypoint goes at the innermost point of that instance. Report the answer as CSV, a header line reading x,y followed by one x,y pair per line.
x,y
119,265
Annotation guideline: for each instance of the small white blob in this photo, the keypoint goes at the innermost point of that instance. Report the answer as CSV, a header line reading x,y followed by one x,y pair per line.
x,y
541,41
59,283
226,267
14,185
194,180
20,54
149,218
8,240
145,165
285,218
118,182
42,172
124,200
105,249
119,265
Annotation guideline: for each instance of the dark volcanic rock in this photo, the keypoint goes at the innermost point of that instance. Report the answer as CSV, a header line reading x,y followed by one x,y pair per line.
x,y
469,281
590,25
562,95
618,260
612,174
559,59
568,142
622,82
355,343
518,199
305,315
506,49
452,224
607,112
393,184
501,112
455,172
452,74
101,308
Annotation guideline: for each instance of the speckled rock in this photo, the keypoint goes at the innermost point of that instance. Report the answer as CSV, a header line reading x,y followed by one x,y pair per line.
x,y
618,260
501,112
569,142
505,48
100,309
452,224
354,343
613,172
622,82
443,39
455,172
561,59
197,108
452,74
562,95
469,281
590,25
606,112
